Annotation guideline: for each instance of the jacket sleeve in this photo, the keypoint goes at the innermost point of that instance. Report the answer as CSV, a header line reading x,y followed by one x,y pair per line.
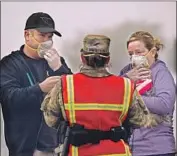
x,y
64,69
12,93
52,106
139,115
162,102
124,71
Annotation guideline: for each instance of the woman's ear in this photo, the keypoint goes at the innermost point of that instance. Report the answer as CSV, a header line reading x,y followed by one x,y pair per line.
x,y
154,51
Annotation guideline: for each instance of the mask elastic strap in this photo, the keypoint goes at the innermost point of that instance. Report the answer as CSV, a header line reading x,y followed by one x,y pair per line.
x,y
34,38
34,49
95,54
31,47
147,53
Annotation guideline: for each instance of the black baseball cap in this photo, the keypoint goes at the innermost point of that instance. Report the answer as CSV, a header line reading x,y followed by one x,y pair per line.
x,y
42,22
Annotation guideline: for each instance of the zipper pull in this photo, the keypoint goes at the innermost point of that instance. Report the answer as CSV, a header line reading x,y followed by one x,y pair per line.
x,y
47,72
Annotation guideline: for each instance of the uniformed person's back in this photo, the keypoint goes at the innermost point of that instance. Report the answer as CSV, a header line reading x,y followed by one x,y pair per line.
x,y
99,106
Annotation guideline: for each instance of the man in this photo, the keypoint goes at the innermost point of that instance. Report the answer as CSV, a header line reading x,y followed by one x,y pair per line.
x,y
26,76
98,105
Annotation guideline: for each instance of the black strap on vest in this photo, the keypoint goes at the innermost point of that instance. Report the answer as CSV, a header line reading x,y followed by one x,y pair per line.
x,y
80,136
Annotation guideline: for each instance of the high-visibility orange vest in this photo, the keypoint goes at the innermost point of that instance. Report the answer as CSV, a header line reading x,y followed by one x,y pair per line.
x,y
97,103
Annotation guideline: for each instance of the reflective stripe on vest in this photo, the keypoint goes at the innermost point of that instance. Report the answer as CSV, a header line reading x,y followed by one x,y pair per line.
x,y
127,94
71,107
72,117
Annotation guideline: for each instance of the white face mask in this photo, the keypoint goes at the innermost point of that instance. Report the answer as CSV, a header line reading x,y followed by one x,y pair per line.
x,y
137,60
44,47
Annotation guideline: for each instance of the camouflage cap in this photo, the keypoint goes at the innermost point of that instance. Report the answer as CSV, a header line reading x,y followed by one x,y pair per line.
x,y
96,44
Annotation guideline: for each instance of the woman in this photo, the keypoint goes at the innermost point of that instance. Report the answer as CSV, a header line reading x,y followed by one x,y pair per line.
x,y
159,97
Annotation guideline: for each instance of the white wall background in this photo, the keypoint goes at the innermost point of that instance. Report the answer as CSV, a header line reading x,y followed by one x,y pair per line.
x,y
76,19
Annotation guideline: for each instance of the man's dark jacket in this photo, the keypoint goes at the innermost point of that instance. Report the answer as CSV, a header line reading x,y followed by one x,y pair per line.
x,y
21,97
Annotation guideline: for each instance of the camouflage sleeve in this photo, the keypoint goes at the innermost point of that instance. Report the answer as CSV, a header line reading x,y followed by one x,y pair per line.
x,y
51,106
139,115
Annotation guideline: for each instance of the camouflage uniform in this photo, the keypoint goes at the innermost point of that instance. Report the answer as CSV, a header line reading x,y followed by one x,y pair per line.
x,y
53,107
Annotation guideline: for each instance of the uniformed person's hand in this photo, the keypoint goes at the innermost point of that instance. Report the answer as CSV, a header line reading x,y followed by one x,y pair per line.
x,y
49,83
139,73
53,59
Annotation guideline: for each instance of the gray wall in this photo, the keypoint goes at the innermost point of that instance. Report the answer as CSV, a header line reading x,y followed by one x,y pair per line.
x,y
76,19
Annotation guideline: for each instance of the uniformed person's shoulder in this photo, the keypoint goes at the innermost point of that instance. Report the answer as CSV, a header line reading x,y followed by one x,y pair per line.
x,y
125,79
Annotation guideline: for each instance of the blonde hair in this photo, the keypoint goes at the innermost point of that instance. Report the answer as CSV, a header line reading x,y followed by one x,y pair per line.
x,y
148,40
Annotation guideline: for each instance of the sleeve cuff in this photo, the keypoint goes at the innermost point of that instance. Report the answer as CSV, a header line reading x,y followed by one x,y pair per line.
x,y
62,70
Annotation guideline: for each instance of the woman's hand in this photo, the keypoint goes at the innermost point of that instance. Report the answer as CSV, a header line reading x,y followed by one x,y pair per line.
x,y
139,73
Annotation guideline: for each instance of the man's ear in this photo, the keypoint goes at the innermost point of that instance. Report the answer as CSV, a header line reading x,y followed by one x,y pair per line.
x,y
26,35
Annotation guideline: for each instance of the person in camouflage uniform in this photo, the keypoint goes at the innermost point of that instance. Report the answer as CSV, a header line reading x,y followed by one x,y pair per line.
x,y
95,57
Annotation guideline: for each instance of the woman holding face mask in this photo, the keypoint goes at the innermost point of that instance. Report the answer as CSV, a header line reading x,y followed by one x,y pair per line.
x,y
157,87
